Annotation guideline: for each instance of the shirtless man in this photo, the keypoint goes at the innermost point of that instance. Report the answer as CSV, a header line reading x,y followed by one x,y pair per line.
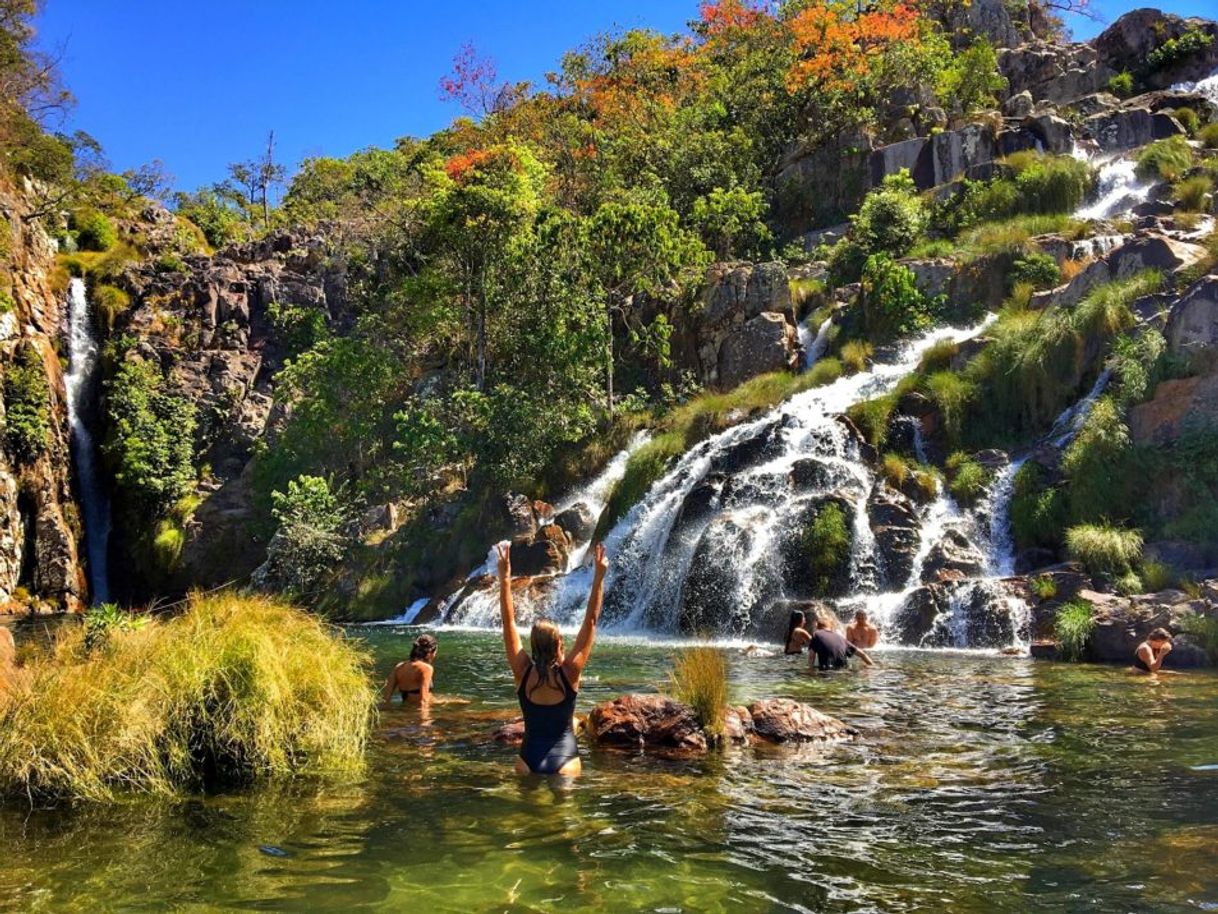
x,y
862,633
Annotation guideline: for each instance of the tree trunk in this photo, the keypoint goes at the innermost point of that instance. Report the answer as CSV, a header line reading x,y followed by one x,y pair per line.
x,y
609,365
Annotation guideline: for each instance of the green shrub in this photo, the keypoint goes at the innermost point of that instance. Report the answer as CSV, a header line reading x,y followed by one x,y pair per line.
x,y
967,479
234,689
1038,511
952,393
699,679
893,305
1188,119
1165,160
827,544
872,417
1157,576
1097,465
101,621
1104,549
1128,584
970,81
938,357
1040,271
27,405
308,543
855,355
825,371
1073,626
171,263
1208,135
94,230
891,217
298,327
1043,587
1192,193
150,439
846,259
1193,41
109,302
1121,85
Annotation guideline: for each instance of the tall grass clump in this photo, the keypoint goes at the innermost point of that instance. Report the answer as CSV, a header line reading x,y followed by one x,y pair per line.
x,y
1208,135
968,480
699,679
1192,193
1104,549
855,354
1165,160
1073,627
235,689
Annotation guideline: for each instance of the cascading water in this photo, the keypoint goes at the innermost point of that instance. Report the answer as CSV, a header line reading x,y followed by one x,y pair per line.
x,y
814,346
81,385
1207,87
704,549
1118,190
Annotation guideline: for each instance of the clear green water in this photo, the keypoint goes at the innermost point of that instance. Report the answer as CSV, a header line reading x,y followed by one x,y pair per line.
x,y
980,784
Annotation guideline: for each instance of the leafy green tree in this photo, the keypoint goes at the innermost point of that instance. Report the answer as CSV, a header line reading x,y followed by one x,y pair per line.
x,y
636,245
216,212
971,81
893,304
309,542
731,223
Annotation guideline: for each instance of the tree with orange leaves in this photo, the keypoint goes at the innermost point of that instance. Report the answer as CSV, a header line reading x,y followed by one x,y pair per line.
x,y
840,42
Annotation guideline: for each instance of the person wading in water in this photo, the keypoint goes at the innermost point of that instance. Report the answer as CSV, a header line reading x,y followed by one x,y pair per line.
x,y
830,651
413,677
860,632
547,679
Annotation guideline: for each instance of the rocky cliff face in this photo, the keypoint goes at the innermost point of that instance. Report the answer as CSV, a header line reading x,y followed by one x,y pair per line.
x,y
40,531
206,321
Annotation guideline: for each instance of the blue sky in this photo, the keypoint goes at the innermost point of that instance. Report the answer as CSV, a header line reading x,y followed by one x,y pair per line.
x,y
198,84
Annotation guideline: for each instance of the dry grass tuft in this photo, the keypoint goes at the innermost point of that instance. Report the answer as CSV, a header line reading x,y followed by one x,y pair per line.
x,y
699,679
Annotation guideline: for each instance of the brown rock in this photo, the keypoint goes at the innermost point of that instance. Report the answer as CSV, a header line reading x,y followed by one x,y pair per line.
x,y
766,343
510,733
1160,421
646,722
782,720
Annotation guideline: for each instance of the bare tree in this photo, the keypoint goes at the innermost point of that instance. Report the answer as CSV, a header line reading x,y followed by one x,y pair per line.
x,y
256,177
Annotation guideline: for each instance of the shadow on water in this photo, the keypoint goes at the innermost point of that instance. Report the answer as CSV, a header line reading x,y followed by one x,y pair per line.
x,y
980,784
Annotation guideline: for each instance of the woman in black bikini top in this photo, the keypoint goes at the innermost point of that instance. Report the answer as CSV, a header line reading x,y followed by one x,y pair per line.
x,y
413,677
797,633
547,680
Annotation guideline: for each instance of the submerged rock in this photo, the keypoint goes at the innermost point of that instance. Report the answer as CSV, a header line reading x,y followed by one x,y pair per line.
x,y
782,720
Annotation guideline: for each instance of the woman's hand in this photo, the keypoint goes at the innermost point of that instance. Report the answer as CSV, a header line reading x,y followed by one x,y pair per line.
x,y
505,561
601,563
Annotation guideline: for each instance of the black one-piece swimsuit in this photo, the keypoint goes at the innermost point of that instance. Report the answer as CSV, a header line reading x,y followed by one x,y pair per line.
x,y
549,737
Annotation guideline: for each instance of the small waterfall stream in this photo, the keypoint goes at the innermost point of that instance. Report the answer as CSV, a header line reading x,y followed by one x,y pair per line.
x,y
1118,190
81,386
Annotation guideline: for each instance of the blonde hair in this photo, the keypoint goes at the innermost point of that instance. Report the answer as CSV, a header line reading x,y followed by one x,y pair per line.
x,y
545,644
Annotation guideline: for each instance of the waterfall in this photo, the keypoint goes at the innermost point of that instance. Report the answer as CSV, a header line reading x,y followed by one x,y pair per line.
x,y
1118,190
814,346
81,386
713,527
1207,87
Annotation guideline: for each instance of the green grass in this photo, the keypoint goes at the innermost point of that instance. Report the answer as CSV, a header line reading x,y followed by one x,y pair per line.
x,y
1157,576
952,393
827,543
1208,135
699,679
1192,193
1043,587
1203,630
1073,627
855,354
1104,549
1010,236
1165,160
872,418
235,689
908,476
967,479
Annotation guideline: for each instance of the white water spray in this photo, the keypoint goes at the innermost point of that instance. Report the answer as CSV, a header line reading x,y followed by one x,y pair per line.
x,y
80,383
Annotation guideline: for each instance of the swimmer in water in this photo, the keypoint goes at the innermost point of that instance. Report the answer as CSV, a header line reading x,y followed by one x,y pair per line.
x,y
860,632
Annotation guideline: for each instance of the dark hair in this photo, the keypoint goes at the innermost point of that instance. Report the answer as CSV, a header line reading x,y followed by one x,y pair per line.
x,y
424,646
798,620
860,615
1159,634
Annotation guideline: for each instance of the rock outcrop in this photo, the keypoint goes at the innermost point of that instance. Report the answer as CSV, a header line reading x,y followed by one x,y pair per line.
x,y
41,539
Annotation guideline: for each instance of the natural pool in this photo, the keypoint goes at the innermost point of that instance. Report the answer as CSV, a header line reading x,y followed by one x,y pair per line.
x,y
980,784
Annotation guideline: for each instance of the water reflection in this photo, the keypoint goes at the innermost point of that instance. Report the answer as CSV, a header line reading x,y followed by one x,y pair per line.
x,y
980,784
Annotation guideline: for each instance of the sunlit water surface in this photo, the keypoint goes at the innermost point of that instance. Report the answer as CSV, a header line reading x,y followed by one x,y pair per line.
x,y
979,784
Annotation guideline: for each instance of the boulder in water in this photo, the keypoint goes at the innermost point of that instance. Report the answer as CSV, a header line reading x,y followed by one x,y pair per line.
x,y
759,445
577,521
815,549
781,720
897,534
521,523
547,553
916,617
952,558
809,474
646,722
510,733
710,599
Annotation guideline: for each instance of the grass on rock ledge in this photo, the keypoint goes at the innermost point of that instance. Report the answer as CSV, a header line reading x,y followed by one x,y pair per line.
x,y
234,689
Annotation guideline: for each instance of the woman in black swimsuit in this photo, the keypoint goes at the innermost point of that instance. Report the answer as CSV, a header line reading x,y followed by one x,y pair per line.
x,y
1148,658
547,680
797,633
413,677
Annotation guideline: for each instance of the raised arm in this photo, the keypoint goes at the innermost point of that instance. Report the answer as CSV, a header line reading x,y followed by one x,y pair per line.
x,y
516,657
582,649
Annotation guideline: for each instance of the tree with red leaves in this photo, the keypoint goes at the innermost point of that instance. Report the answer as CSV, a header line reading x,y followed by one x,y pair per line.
x,y
474,84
